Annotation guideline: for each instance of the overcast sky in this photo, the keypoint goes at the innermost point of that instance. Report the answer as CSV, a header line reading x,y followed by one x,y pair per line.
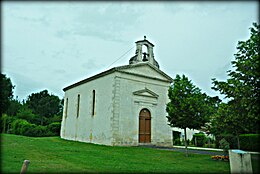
x,y
50,45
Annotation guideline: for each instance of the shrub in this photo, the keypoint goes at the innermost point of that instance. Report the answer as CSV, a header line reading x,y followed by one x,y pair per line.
x,y
20,126
199,139
30,132
188,142
249,142
176,138
210,142
54,128
23,127
40,131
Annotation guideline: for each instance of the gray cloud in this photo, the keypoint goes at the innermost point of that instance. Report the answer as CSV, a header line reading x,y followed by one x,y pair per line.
x,y
51,45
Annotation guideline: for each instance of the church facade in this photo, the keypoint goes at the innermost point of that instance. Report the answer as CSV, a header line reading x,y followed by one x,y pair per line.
x,y
124,105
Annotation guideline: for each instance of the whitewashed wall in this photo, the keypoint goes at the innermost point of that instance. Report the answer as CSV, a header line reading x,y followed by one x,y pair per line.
x,y
131,105
116,121
81,128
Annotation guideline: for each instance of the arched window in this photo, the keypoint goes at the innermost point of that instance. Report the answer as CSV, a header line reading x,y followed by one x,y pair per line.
x,y
66,107
145,53
78,105
93,102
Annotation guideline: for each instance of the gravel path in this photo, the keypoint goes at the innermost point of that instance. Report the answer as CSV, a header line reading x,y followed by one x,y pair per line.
x,y
208,152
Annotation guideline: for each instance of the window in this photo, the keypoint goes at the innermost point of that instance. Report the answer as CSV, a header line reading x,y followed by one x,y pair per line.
x,y
78,105
93,102
66,108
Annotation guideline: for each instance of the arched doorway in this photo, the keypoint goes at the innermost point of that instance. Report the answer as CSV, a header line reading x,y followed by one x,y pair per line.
x,y
144,126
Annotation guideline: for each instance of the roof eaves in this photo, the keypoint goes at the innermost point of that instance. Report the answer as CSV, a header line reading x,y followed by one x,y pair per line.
x,y
90,78
154,78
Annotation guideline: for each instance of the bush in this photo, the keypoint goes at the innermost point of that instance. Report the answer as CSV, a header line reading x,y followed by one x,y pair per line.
x,y
210,142
20,126
41,131
249,142
199,139
23,127
54,128
176,138
30,132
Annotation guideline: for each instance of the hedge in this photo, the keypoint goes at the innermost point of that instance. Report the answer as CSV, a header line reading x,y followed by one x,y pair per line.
x,y
249,142
54,128
23,127
200,139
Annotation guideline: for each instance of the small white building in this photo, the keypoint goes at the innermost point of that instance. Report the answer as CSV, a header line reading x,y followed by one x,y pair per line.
x,y
124,105
190,132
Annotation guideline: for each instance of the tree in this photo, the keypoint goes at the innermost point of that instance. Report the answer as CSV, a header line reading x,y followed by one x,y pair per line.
x,y
27,114
242,85
13,108
188,107
6,92
44,105
226,122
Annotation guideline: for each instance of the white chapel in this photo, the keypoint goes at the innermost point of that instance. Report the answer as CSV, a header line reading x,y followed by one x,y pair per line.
x,y
123,106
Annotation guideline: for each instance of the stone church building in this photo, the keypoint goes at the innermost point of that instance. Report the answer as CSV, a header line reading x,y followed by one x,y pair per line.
x,y
124,105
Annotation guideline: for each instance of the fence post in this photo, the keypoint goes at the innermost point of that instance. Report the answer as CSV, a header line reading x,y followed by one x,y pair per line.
x,y
25,166
240,161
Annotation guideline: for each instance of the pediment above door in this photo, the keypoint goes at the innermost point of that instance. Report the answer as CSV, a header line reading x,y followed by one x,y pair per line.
x,y
146,93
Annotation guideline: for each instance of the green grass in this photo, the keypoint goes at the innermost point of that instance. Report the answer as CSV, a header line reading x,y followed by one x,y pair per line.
x,y
52,154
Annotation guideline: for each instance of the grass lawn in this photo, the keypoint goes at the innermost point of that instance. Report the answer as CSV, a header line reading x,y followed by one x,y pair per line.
x,y
52,154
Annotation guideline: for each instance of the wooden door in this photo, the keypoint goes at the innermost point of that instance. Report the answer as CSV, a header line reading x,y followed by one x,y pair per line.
x,y
144,126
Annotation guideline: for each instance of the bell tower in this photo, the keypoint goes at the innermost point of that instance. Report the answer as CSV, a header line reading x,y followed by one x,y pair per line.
x,y
141,56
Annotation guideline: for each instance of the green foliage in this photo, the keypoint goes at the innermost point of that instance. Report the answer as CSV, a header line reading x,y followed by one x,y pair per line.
x,y
6,123
224,145
199,139
24,118
188,142
55,128
6,92
41,131
249,142
20,126
242,87
27,114
44,105
54,118
222,122
188,107
231,139
176,137
23,127
13,108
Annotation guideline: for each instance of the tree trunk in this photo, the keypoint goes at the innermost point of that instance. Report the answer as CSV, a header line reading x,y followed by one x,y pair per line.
x,y
185,140
4,125
238,142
